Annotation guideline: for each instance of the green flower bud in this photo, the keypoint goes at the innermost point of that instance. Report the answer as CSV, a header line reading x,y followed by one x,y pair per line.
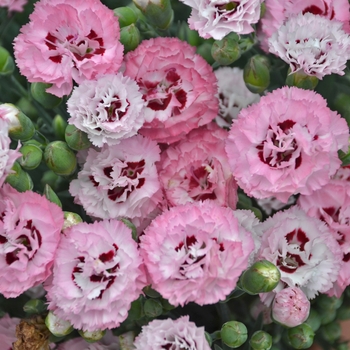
x,y
47,100
57,326
261,277
158,12
71,219
205,51
152,308
52,179
300,337
60,158
76,139
92,337
325,302
27,108
343,313
327,316
59,127
130,37
331,332
261,340
186,34
342,346
257,74
31,156
314,320
226,51
34,306
7,65
51,195
301,80
126,16
19,179
234,334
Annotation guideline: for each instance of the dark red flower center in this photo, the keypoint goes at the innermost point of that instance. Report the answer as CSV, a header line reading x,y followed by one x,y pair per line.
x,y
114,111
198,179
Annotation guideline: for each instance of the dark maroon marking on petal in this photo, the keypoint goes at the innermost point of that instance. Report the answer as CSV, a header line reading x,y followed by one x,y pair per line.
x,y
204,196
100,51
160,105
116,192
115,247
141,182
172,76
181,244
3,239
96,278
104,257
107,171
190,240
289,236
50,41
94,182
298,162
56,59
286,125
23,239
77,270
181,96
314,10
198,174
302,238
81,259
11,257
222,248
315,138
166,346
69,37
149,84
114,268
346,257
287,269
92,35
330,211
80,58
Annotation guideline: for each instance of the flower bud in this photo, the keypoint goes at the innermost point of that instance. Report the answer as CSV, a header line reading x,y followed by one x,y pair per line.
x,y
126,16
301,337
19,179
130,37
325,302
47,100
260,340
7,65
257,74
71,219
49,177
20,126
27,108
301,80
261,277
59,127
60,158
34,306
314,320
92,337
234,334
226,51
205,51
158,12
152,308
331,332
290,307
186,34
51,195
57,326
31,156
342,346
76,139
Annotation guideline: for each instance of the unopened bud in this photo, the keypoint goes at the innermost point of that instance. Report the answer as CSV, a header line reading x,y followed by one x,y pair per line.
x,y
227,50
60,158
59,127
261,340
331,332
51,195
27,108
301,337
31,156
47,100
34,306
234,334
325,302
19,179
92,337
76,139
57,326
205,51
126,16
71,219
130,37
186,34
7,65
257,74
314,320
261,277
301,80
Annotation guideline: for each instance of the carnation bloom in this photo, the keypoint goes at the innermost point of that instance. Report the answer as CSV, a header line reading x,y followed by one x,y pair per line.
x,y
120,180
316,45
331,204
30,227
170,334
290,307
286,144
233,94
196,168
66,41
8,331
217,18
277,12
13,5
196,252
108,109
304,250
178,87
96,275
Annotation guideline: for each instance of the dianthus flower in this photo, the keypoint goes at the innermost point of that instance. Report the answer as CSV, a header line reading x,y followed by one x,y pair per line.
x,y
217,18
172,334
286,144
120,180
313,44
66,41
30,228
304,250
196,252
96,275
108,109
13,5
178,87
233,94
8,331
196,168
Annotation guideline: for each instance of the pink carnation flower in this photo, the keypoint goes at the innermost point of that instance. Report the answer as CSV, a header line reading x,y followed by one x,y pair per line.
x,y
108,109
233,95
331,204
178,87
30,228
277,12
217,18
304,250
196,168
13,5
119,181
286,144
96,275
196,252
290,307
8,331
170,334
66,41
313,44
